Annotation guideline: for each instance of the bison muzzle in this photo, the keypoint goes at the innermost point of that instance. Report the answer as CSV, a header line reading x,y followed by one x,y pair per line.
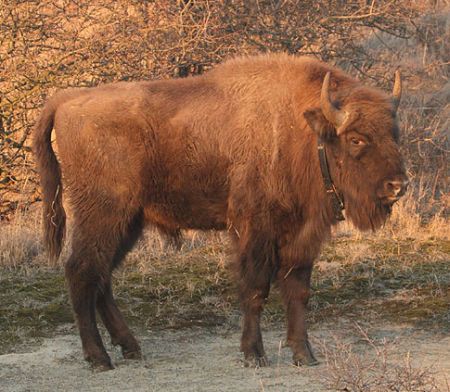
x,y
235,149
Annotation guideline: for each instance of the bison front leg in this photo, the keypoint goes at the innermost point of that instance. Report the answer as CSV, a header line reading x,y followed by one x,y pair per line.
x,y
254,289
251,341
295,287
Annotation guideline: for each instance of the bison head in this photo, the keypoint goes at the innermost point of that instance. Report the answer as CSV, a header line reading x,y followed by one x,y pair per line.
x,y
360,134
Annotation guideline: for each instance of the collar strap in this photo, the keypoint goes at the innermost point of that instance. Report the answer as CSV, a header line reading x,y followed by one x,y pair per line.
x,y
336,200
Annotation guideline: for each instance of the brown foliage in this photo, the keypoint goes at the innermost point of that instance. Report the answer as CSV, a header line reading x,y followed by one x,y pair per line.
x,y
51,44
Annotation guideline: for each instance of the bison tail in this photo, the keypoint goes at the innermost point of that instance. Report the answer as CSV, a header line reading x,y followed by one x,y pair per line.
x,y
54,216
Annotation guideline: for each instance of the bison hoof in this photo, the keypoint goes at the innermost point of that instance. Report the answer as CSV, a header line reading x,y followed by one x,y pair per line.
x,y
132,354
101,366
99,362
256,362
305,361
305,357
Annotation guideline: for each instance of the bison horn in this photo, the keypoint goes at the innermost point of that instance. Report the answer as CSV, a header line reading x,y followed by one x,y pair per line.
x,y
397,91
331,113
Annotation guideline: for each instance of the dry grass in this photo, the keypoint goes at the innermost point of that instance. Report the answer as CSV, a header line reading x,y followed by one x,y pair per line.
x,y
400,275
374,365
20,242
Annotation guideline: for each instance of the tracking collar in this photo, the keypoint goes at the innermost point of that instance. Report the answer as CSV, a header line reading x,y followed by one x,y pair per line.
x,y
336,200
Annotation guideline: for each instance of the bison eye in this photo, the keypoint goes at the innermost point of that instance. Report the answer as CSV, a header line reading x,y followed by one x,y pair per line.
x,y
357,142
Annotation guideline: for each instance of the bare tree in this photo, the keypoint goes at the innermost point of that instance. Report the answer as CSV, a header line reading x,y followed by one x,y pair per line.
x,y
52,44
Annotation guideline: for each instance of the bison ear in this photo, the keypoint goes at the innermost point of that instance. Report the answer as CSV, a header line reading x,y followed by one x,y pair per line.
x,y
319,124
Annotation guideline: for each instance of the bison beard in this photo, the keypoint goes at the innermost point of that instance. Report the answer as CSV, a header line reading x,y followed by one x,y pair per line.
x,y
233,149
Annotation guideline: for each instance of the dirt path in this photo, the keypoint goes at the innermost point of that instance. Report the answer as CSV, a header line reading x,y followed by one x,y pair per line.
x,y
197,360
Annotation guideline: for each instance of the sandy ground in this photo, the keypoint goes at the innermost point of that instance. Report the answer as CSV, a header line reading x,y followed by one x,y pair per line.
x,y
196,360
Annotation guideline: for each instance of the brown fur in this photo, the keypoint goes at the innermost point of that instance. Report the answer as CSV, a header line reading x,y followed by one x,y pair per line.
x,y
232,149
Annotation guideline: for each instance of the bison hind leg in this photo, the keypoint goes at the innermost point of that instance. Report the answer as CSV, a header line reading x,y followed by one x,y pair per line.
x,y
173,239
101,239
85,275
115,324
109,312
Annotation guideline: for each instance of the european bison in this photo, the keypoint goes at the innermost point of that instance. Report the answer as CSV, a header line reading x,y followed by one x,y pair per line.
x,y
236,149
